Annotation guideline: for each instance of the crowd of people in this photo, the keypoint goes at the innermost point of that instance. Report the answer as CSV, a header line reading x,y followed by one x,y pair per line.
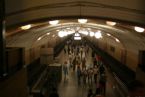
x,y
86,75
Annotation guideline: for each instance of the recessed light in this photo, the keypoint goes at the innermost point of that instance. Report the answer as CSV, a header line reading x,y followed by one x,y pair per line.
x,y
92,34
98,35
139,29
39,38
110,23
82,21
54,22
108,34
26,27
77,38
117,40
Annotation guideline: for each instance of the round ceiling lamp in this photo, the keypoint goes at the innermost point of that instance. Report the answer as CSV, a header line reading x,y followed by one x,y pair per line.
x,y
108,34
26,27
110,23
54,22
138,29
77,38
39,38
92,34
117,40
62,33
82,21
98,34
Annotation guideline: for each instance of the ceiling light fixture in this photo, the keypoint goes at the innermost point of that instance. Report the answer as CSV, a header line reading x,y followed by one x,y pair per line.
x,y
26,27
77,34
117,40
138,29
98,34
108,34
62,33
54,22
78,31
77,38
39,38
110,23
92,33
82,21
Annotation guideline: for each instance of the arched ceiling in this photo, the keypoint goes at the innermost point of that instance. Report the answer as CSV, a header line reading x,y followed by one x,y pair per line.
x,y
38,35
20,11
127,14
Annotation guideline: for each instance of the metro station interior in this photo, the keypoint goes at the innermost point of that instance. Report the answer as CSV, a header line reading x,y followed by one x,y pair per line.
x,y
38,37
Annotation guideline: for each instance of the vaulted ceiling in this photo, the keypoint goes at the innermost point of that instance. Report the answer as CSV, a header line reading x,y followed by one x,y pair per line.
x,y
126,13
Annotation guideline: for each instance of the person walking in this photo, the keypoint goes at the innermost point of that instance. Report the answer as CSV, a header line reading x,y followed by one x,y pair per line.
x,y
84,75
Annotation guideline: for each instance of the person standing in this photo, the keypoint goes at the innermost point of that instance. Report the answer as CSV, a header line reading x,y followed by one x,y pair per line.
x,y
90,75
74,63
101,69
79,73
95,70
102,82
84,63
65,70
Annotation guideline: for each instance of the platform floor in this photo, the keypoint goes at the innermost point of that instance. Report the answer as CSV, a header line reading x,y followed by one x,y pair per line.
x,y
70,88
